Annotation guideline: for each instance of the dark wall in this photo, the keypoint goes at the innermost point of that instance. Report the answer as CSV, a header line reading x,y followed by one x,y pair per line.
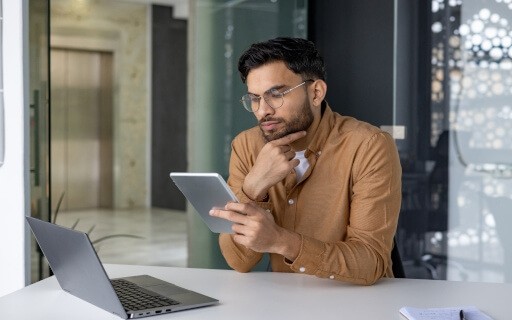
x,y
413,47
169,104
356,39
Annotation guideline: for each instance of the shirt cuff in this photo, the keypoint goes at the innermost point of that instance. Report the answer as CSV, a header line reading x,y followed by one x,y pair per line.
x,y
310,255
266,204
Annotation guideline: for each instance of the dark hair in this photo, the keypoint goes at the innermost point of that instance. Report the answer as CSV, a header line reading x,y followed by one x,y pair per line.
x,y
299,55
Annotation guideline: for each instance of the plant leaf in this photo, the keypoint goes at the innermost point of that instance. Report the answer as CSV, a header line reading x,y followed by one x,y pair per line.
x,y
91,229
58,206
116,236
75,224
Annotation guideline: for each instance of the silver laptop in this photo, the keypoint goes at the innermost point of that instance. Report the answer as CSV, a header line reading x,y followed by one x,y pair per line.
x,y
79,271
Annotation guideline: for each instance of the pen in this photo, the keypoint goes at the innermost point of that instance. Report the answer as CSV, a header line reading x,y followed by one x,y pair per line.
x,y
461,315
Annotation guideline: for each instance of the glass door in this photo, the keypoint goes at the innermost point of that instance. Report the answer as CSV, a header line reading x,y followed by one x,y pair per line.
x,y
222,30
458,168
478,96
39,110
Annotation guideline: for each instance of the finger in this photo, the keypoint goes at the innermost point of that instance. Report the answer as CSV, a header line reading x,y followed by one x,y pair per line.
x,y
289,155
244,209
286,148
240,238
286,140
236,206
239,229
228,215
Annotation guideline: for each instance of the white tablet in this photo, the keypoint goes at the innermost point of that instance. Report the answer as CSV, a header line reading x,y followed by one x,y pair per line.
x,y
206,191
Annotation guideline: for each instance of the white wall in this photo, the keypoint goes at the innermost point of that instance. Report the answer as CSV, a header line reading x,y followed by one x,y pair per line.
x,y
14,183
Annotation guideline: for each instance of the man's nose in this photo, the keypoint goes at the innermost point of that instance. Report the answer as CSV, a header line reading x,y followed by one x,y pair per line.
x,y
264,109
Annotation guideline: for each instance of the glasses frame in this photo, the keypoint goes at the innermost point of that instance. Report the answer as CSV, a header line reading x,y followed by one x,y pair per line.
x,y
251,98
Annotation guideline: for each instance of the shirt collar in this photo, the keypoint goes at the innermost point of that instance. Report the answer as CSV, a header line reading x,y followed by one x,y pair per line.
x,y
322,132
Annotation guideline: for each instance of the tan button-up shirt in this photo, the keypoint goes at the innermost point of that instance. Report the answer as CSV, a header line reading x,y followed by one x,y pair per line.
x,y
345,207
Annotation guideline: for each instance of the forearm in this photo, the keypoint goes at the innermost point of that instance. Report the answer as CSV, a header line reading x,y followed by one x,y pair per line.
x,y
254,189
237,256
351,261
287,244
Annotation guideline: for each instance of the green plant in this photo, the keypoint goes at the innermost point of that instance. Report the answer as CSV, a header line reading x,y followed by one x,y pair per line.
x,y
75,224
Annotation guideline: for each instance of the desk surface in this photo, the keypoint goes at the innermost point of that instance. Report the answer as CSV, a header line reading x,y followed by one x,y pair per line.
x,y
267,295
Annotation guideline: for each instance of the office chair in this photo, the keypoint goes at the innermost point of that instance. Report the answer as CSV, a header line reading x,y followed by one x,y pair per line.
x,y
424,212
398,268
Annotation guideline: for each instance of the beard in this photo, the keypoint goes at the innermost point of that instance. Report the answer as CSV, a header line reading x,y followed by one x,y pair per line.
x,y
300,122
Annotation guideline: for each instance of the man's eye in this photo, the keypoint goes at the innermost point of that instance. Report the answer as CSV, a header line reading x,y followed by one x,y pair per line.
x,y
255,98
274,93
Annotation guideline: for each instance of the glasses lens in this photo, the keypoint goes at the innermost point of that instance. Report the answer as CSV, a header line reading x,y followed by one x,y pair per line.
x,y
247,101
274,98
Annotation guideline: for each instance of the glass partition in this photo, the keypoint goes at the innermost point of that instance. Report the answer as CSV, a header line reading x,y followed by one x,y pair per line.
x,y
478,98
220,32
100,146
101,109
458,190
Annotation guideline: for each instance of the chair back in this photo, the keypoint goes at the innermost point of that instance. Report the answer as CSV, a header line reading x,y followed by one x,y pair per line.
x,y
398,268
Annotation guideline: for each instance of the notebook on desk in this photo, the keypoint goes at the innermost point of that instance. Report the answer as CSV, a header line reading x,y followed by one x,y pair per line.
x,y
79,271
453,313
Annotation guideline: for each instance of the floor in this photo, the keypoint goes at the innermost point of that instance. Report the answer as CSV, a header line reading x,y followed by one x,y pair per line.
x,y
153,236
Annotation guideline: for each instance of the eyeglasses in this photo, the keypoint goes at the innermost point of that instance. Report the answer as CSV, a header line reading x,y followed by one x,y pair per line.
x,y
272,97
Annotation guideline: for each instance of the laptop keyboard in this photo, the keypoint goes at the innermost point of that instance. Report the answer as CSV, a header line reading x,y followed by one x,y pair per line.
x,y
133,297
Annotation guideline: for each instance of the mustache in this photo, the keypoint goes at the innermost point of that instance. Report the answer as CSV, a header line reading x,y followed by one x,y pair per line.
x,y
270,119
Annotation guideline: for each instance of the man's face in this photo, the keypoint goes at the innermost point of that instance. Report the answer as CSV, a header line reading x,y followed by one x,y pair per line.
x,y
294,115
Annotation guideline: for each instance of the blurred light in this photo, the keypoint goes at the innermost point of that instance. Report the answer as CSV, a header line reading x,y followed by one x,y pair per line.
x,y
476,39
496,53
464,30
489,221
477,26
506,41
491,32
437,27
484,14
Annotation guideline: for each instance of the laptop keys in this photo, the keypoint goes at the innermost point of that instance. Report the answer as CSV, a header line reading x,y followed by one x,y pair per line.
x,y
133,297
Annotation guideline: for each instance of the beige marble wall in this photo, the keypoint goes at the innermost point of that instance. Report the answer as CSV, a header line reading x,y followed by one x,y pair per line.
x,y
122,28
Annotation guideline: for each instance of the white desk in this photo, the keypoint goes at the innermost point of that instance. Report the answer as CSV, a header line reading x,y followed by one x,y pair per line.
x,y
262,295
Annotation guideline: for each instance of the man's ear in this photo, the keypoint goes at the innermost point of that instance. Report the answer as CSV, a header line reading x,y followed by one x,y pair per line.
x,y
319,90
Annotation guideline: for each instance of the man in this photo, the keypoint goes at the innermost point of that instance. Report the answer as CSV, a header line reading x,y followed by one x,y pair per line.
x,y
319,191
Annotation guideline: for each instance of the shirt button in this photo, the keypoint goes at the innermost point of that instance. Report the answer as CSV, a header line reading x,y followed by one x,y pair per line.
x,y
290,201
331,277
302,269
